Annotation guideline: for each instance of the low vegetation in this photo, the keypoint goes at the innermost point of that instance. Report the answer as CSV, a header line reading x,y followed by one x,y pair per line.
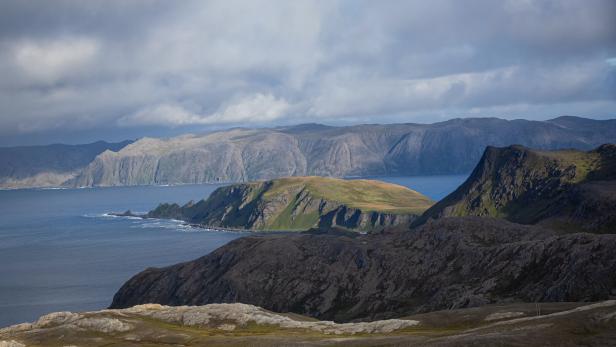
x,y
301,203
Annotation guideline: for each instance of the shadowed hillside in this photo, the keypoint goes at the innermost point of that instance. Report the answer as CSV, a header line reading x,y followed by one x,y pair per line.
x,y
567,190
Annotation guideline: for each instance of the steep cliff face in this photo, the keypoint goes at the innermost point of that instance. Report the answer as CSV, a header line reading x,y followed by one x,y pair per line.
x,y
301,203
48,166
568,190
445,264
241,155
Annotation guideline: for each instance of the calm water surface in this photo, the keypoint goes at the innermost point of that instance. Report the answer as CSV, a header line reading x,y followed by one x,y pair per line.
x,y
60,252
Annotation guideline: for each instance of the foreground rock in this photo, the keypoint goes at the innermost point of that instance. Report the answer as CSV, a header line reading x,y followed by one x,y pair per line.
x,y
301,203
565,190
448,263
239,325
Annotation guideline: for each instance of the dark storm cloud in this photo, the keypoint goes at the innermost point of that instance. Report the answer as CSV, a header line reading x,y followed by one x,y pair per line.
x,y
83,65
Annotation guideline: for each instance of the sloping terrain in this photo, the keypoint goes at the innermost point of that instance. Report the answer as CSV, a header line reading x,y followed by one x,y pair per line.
x,y
567,190
444,264
557,324
48,166
301,203
242,155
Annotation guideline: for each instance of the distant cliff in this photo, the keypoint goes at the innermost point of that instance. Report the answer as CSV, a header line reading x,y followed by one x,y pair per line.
x,y
242,155
301,203
568,190
48,166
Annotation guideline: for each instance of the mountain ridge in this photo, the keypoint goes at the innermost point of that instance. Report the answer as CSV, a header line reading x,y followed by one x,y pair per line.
x,y
50,165
241,155
564,189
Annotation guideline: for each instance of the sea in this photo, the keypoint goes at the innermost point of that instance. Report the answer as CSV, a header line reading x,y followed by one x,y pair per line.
x,y
60,250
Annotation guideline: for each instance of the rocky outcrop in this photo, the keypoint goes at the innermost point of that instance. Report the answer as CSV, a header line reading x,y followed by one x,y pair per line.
x,y
512,324
444,264
567,190
242,155
48,166
301,203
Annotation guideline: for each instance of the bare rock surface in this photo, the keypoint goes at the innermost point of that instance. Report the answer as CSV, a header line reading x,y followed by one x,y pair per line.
x,y
444,264
559,324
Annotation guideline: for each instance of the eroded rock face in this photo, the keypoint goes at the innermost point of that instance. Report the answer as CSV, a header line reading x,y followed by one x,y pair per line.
x,y
365,150
566,190
48,166
448,263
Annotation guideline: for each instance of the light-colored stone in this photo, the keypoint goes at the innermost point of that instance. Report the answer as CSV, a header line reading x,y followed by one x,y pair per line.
x,y
242,314
103,324
503,315
56,318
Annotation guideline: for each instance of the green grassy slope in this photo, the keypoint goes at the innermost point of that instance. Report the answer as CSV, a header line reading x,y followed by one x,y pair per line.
x,y
301,203
367,195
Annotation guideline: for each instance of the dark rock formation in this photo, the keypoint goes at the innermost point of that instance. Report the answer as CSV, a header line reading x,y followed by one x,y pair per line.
x,y
567,190
444,264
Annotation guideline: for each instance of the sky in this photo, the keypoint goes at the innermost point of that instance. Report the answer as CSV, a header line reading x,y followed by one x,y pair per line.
x,y
80,71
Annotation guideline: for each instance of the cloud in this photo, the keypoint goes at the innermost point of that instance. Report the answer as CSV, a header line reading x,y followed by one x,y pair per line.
x,y
49,61
256,108
70,66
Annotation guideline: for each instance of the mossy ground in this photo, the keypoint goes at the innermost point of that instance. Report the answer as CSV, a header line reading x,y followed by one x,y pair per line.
x,y
367,195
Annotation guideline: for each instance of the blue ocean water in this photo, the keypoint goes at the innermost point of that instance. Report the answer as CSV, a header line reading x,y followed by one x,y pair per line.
x,y
59,251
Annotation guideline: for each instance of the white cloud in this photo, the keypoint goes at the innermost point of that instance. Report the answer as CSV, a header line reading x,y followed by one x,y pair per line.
x,y
163,114
96,64
256,108
48,61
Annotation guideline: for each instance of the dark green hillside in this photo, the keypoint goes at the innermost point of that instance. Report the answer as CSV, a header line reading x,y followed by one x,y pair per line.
x,y
568,190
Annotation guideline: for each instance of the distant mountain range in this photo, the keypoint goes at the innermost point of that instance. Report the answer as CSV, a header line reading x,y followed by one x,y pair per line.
x,y
48,166
240,155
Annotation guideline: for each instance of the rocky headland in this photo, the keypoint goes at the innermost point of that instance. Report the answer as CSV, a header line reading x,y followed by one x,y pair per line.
x,y
444,264
301,203
566,190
